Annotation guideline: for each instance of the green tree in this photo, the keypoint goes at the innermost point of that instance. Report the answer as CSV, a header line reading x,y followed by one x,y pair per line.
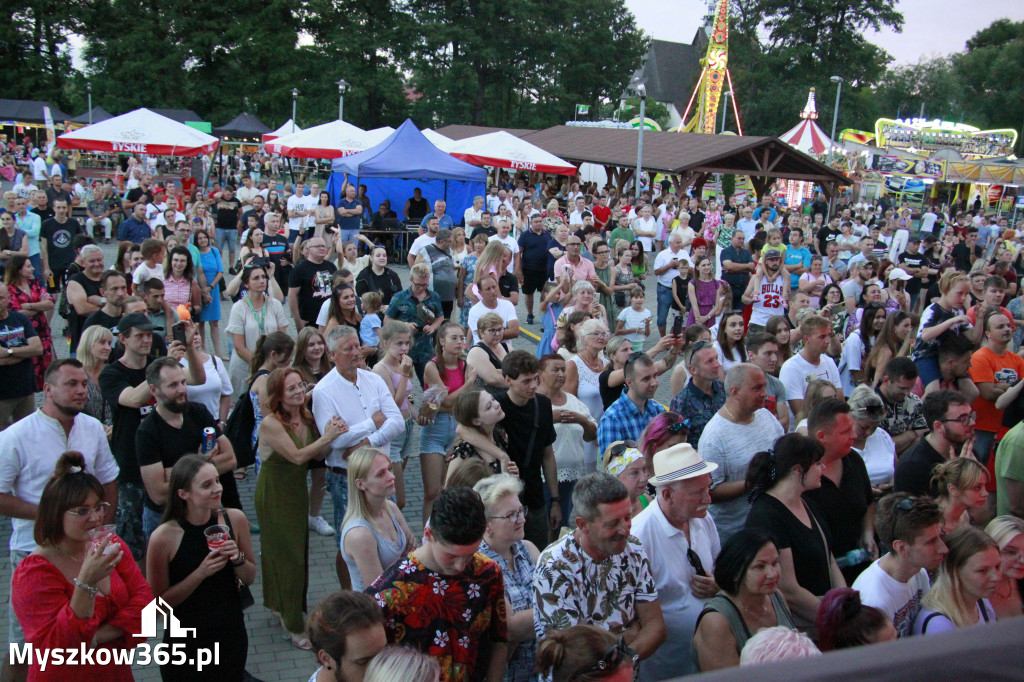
x,y
34,49
993,95
931,85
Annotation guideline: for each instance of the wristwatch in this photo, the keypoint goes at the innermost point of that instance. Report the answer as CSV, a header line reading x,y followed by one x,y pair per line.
x,y
241,560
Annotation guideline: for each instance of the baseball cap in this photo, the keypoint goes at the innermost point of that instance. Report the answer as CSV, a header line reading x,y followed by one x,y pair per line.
x,y
134,321
772,253
899,273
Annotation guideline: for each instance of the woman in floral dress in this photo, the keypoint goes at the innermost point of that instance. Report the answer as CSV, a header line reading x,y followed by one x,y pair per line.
x,y
30,298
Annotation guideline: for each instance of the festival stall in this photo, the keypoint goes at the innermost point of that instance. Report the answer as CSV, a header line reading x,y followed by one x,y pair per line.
x,y
331,140
504,150
140,132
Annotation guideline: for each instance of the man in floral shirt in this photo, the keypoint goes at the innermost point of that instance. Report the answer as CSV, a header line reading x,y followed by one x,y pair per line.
x,y
599,574
445,599
904,420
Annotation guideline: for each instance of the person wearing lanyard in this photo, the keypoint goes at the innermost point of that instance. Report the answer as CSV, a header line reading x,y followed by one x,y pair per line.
x,y
254,315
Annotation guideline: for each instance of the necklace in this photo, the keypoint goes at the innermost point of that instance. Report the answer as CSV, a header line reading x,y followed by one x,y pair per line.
x,y
755,614
68,555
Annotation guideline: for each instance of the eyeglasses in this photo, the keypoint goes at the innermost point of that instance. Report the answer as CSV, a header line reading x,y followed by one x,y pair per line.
x,y
695,562
495,330
513,516
965,419
1012,554
906,504
419,284
600,335
612,658
100,509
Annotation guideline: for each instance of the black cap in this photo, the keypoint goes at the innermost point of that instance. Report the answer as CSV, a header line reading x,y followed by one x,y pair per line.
x,y
913,239
134,321
771,253
930,238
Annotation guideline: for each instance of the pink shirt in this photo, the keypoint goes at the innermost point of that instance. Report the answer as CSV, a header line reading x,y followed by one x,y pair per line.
x,y
178,292
581,272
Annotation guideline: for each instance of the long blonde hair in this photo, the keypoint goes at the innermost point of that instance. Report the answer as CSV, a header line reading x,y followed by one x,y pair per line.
x,y
359,465
947,594
490,258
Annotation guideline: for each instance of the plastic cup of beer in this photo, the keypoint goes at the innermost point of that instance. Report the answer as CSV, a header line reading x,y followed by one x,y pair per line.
x,y
216,536
98,534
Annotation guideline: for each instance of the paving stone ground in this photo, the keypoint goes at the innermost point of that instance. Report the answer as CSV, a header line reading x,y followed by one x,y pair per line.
x,y
271,655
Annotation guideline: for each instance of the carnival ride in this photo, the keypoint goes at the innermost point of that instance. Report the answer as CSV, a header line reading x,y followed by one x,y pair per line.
x,y
714,74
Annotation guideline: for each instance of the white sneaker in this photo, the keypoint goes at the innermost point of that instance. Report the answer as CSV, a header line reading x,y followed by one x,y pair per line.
x,y
320,526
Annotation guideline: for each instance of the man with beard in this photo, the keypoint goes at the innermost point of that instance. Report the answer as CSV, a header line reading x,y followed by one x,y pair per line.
x,y
125,389
177,427
29,451
951,419
599,574
767,291
114,290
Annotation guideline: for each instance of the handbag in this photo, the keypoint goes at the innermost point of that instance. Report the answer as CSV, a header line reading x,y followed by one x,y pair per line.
x,y
245,597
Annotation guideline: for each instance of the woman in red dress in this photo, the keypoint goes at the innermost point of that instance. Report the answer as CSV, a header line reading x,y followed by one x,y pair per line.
x,y
30,297
73,591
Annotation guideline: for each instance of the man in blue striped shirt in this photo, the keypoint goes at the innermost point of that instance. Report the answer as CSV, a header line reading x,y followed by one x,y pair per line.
x,y
628,416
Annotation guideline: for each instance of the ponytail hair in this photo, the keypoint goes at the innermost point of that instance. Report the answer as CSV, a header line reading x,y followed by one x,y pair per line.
x,y
275,342
69,487
769,466
844,622
565,655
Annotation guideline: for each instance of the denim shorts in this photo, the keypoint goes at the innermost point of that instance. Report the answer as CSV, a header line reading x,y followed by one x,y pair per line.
x,y
928,369
438,436
349,236
401,447
337,487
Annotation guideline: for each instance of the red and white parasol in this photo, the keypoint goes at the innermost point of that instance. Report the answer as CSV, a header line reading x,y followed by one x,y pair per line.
x,y
142,132
504,150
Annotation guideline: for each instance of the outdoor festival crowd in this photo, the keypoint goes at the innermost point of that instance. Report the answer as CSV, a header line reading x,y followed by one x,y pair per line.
x,y
841,463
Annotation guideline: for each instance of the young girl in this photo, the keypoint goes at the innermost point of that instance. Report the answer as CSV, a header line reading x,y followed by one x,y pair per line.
x,y
635,322
449,371
893,340
639,261
858,346
778,326
396,369
945,316
729,344
706,294
774,243
368,326
624,281
554,295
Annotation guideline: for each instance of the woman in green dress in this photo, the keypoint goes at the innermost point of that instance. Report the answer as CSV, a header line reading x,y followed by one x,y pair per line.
x,y
288,440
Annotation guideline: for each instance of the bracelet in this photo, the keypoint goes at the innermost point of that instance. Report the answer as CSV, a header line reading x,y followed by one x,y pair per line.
x,y
241,560
88,588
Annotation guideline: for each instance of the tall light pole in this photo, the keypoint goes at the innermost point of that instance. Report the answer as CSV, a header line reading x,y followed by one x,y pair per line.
x,y
641,90
88,92
342,87
725,110
295,95
838,80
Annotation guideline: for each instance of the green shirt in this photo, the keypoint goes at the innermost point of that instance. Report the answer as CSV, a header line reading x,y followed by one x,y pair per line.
x,y
621,233
1009,464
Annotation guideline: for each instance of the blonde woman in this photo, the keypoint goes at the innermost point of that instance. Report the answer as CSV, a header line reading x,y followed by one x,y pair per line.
x,y
1008,532
93,352
961,485
969,575
403,663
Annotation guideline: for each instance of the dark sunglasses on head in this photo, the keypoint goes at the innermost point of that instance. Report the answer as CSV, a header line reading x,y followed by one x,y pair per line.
x,y
612,658
679,426
906,504
620,448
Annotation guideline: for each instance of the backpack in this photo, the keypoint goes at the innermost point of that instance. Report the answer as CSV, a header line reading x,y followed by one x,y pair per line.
x,y
63,305
239,427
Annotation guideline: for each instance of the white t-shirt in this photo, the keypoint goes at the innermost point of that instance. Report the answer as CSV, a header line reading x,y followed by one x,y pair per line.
x,y
928,221
309,203
569,445
664,258
512,245
646,225
143,272
728,362
633,319
900,601
39,168
218,384
879,455
797,371
295,203
420,243
852,360
505,309
469,215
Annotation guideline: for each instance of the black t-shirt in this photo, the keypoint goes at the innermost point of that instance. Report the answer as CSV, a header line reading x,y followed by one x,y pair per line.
x,y
914,469
92,288
507,283
314,284
18,379
58,238
157,441
844,507
825,235
914,260
697,221
418,208
387,283
811,557
609,394
962,257
226,213
102,319
54,194
486,231
138,194
43,213
519,423
114,378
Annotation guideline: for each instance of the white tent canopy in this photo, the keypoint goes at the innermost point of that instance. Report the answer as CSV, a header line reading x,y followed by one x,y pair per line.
x,y
142,132
502,149
438,140
288,128
331,140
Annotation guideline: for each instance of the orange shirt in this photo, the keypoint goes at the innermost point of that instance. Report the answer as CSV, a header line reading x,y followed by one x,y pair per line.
x,y
986,366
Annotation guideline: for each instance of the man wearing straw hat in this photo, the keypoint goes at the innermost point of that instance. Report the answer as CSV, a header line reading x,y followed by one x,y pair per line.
x,y
678,531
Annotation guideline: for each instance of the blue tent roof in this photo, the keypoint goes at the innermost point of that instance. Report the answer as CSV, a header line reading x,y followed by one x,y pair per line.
x,y
406,153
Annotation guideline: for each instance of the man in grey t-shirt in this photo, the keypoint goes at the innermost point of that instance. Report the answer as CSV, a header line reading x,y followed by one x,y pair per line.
x,y
738,431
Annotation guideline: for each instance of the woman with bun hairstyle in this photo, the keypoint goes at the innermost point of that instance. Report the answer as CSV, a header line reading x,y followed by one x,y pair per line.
x,y
74,591
585,653
844,622
961,484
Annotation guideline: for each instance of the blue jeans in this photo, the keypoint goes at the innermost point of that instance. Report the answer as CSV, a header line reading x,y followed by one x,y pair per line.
x,y
349,236
664,303
337,486
565,489
37,264
150,521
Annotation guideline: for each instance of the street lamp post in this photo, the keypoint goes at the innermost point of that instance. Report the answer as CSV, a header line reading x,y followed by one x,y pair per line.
x,y
838,80
641,90
725,110
88,92
342,87
295,95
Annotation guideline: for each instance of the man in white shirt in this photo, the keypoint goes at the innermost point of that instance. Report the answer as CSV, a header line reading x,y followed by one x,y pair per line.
x,y
471,216
646,228
30,448
309,202
677,530
666,268
369,414
39,172
421,242
296,208
492,200
747,223
490,302
897,582
810,363
928,219
504,236
576,217
246,192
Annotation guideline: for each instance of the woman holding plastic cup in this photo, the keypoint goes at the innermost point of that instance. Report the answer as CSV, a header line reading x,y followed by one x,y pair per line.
x,y
195,561
75,590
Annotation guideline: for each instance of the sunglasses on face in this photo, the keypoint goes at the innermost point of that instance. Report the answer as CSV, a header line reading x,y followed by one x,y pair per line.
x,y
612,658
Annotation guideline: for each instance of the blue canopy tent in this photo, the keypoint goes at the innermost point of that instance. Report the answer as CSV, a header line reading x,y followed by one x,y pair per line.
x,y
404,161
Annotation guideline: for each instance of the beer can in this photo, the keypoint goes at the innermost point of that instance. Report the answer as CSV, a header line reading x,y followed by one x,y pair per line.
x,y
209,438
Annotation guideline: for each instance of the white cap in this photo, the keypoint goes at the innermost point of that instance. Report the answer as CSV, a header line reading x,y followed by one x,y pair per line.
x,y
899,273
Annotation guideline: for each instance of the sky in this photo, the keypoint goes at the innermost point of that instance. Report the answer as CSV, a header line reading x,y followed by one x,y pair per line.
x,y
931,27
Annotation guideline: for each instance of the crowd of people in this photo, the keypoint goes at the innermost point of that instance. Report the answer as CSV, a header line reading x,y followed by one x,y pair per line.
x,y
838,463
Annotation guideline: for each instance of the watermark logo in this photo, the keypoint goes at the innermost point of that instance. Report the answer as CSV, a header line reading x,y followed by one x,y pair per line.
x,y
158,610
